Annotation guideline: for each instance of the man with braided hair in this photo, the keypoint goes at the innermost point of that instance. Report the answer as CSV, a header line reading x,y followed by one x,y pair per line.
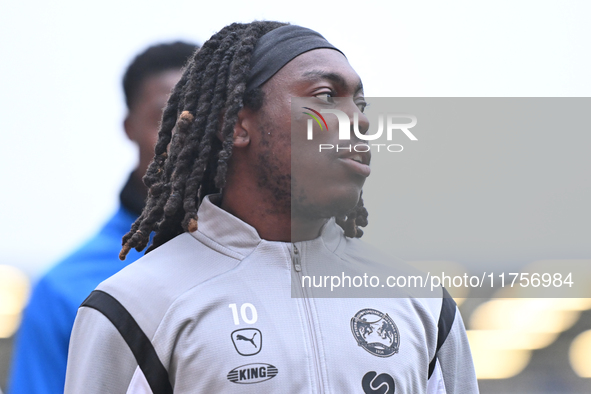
x,y
236,222
41,349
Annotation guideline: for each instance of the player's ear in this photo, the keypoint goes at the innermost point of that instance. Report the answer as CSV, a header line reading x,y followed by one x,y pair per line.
x,y
243,128
129,127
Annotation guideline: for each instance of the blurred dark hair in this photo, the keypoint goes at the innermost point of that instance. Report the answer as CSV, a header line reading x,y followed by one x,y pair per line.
x,y
154,60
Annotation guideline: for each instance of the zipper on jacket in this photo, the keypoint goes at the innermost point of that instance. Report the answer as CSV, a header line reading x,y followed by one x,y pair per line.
x,y
296,258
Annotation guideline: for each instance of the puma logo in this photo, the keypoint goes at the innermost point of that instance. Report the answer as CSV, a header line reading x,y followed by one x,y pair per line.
x,y
242,335
243,338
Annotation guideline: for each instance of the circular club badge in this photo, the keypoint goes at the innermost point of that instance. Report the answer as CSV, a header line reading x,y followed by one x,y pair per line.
x,y
376,332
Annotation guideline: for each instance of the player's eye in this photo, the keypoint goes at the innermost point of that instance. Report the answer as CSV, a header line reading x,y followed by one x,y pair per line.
x,y
326,96
361,104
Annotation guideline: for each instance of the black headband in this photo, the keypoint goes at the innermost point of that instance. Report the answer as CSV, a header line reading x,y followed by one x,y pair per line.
x,y
277,48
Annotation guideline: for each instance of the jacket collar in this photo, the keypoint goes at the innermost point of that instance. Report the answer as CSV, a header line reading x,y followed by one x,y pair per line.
x,y
229,231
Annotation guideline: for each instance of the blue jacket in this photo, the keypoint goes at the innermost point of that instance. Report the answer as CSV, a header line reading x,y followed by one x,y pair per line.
x,y
41,347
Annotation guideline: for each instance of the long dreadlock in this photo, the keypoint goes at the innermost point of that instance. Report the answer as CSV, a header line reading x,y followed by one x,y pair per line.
x,y
192,162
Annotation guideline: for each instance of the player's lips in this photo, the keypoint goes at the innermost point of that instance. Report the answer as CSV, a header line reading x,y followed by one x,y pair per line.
x,y
357,161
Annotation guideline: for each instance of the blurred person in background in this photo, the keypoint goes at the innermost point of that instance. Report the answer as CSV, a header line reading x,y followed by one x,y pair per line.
x,y
41,348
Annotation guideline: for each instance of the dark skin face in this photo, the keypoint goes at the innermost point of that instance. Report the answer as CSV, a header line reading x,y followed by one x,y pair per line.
x,y
143,120
289,200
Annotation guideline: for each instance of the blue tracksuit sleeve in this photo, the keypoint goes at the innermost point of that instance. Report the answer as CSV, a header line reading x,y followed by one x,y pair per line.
x,y
41,348
39,358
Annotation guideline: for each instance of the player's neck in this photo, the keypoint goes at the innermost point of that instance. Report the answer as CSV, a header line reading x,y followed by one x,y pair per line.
x,y
273,221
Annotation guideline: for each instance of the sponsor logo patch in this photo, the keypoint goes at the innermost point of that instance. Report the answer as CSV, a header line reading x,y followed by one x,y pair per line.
x,y
380,384
375,332
252,373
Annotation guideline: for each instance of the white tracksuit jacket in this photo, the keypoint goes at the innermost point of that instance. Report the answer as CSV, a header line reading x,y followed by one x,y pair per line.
x,y
213,312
